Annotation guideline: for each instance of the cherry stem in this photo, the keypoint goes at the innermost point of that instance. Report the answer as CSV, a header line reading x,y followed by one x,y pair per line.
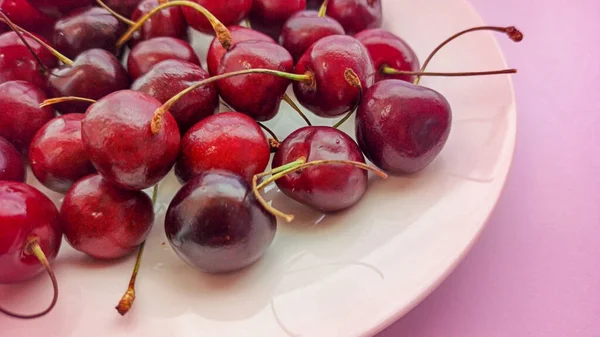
x,y
391,71
127,300
354,81
294,106
269,131
57,100
156,124
19,31
323,9
32,247
222,33
115,14
512,32
298,165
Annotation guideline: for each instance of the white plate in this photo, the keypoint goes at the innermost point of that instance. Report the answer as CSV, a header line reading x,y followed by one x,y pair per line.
x,y
348,274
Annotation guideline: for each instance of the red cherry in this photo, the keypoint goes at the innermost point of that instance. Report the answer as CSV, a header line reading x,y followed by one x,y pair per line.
x,y
58,8
57,156
150,52
104,221
123,7
12,167
388,50
27,16
20,113
168,78
268,16
356,15
313,4
169,22
227,141
229,13
117,135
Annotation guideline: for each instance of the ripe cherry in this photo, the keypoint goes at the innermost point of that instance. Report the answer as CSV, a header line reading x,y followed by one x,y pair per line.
x,y
150,52
123,7
12,167
169,22
58,8
268,16
356,15
121,143
313,4
228,12
20,113
227,141
215,223
27,16
57,156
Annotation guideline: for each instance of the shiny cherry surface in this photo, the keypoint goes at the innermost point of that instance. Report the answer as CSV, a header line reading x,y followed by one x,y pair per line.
x,y
356,15
168,22
150,52
12,167
229,12
268,16
58,8
26,16
123,7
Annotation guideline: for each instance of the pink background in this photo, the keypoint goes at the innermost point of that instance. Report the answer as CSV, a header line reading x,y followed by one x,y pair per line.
x,y
536,269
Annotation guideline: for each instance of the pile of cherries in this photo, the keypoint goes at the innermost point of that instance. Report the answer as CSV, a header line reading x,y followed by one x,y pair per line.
x,y
126,119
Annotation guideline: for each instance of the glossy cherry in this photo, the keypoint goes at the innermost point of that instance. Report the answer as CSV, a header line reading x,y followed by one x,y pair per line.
x,y
117,135
331,94
268,16
12,167
215,223
168,78
123,7
229,12
388,50
356,15
150,52
169,22
57,156
87,28
58,8
20,113
104,221
26,16
305,28
228,141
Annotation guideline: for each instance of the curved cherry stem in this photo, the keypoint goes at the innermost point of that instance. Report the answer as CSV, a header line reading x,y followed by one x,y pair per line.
x,y
323,9
127,300
32,247
298,165
512,32
115,14
391,71
222,33
354,81
57,100
274,143
294,106
268,130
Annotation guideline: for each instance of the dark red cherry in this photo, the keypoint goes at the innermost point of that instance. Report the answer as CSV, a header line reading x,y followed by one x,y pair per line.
x,y
356,15
305,28
58,8
328,188
402,127
328,59
215,223
87,28
20,113
268,16
388,50
313,4
104,221
257,95
238,34
57,156
94,74
117,135
26,215
229,12
169,22
168,78
123,7
150,52
26,16
228,141
11,163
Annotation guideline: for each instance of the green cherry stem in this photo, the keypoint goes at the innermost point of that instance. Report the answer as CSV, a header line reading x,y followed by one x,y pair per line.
x,y
323,9
391,71
294,106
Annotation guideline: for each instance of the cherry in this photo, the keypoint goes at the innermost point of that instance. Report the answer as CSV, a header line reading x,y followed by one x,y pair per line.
x,y
87,28
313,4
20,113
11,163
58,8
268,16
121,143
305,28
168,22
27,16
227,141
123,7
215,223
169,77
57,156
31,236
328,60
229,13
389,53
356,15
150,52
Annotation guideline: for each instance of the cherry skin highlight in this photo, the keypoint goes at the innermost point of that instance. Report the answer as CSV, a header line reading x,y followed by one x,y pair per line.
x,y
227,141
12,167
104,221
25,214
387,49
229,12
215,223
268,16
169,22
20,113
57,156
168,78
150,52
402,127
117,136
26,16
356,15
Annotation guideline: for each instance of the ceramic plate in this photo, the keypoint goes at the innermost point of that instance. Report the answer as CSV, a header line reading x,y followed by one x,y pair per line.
x,y
348,274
